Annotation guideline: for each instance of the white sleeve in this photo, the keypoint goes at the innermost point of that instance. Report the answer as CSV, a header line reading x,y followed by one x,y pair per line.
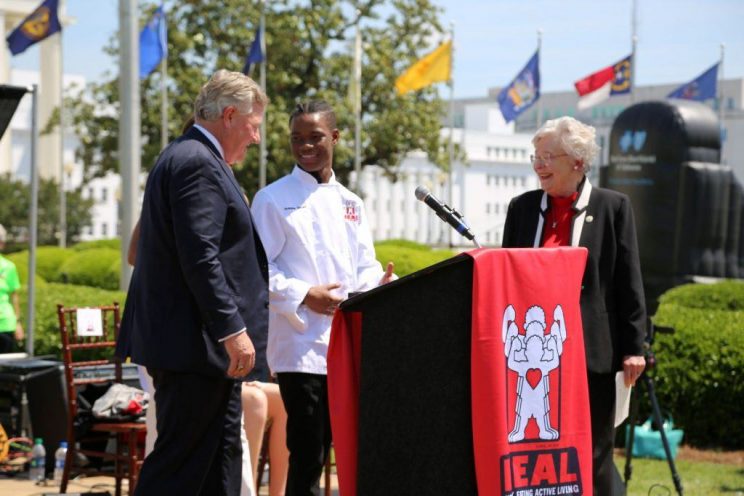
x,y
286,293
369,270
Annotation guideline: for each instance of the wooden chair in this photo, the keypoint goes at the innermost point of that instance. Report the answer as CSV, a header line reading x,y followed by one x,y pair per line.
x,y
82,355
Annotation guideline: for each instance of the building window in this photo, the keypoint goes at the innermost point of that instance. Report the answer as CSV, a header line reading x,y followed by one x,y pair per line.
x,y
104,229
523,181
496,208
488,208
104,194
488,237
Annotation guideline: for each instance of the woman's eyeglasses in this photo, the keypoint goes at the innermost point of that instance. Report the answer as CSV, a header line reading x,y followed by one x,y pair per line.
x,y
546,159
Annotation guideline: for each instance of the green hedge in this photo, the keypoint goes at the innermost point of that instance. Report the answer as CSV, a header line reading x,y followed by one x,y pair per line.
x,y
403,243
97,267
113,243
46,324
700,367
20,259
409,257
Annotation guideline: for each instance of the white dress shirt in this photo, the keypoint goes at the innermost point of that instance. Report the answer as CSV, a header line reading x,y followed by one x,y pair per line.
x,y
313,234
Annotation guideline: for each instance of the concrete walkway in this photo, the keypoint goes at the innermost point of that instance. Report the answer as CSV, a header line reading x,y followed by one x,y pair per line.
x,y
21,486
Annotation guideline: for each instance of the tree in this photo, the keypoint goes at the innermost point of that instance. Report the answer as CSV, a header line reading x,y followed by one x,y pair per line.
x,y
309,56
15,204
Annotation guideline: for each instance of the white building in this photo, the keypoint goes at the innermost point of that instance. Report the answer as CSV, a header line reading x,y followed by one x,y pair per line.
x,y
497,167
105,190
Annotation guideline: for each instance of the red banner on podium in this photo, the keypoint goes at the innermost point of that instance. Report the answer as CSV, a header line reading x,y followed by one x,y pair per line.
x,y
531,425
344,362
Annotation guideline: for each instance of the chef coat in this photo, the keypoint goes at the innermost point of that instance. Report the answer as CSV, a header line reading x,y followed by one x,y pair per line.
x,y
313,233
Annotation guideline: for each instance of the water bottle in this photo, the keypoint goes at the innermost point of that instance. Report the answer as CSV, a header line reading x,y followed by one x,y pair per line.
x,y
59,461
37,471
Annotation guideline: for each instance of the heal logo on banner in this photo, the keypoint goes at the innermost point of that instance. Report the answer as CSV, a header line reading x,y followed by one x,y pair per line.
x,y
531,426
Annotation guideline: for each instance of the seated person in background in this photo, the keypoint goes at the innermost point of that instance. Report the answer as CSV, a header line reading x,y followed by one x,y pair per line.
x,y
263,410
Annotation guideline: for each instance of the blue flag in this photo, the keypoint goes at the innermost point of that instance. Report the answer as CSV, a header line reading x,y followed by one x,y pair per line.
x,y
522,92
153,43
255,55
701,88
41,23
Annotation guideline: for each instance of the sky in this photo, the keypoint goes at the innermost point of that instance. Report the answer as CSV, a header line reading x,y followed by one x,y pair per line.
x,y
677,39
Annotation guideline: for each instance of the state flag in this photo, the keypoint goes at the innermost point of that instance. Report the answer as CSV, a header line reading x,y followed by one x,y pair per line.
x,y
607,82
40,24
701,88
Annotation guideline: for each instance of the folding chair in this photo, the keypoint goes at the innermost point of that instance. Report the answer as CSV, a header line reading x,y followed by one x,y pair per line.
x,y
85,348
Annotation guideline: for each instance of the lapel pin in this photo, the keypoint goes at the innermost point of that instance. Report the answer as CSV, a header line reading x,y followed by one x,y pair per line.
x,y
589,218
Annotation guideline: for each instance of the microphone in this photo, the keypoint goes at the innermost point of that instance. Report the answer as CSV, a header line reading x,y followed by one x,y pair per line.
x,y
445,212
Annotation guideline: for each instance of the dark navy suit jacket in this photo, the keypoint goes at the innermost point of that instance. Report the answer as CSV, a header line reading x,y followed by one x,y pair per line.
x,y
201,271
613,309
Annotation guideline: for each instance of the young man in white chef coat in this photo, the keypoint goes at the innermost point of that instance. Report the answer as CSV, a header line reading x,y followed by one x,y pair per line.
x,y
319,247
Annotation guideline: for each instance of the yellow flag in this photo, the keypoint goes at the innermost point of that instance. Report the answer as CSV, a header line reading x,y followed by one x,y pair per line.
x,y
432,68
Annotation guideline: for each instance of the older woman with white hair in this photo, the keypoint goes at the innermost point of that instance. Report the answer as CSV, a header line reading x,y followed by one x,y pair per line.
x,y
569,211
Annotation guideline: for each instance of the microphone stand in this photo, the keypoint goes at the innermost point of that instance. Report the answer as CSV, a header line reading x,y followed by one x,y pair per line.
x,y
459,216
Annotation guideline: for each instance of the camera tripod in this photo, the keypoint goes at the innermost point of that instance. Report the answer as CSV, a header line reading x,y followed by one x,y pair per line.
x,y
648,382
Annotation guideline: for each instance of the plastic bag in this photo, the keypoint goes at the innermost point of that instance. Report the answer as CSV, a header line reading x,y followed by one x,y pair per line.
x,y
121,401
647,440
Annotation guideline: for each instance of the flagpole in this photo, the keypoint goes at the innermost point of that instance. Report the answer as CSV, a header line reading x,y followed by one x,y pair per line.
x,y
62,197
163,103
633,42
33,219
129,127
358,106
538,116
721,100
451,144
262,143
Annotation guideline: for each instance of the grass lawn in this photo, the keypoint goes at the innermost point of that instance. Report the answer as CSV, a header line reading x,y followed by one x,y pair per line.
x,y
701,474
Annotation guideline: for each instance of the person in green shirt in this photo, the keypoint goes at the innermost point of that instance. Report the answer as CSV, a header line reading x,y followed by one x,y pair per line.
x,y
11,329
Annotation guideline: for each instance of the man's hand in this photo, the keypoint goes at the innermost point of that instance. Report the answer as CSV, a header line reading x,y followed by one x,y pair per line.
x,y
388,276
633,368
321,300
242,355
19,332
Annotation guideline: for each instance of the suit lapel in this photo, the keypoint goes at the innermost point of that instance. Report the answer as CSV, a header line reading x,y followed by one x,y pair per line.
x,y
225,168
541,220
580,217
578,220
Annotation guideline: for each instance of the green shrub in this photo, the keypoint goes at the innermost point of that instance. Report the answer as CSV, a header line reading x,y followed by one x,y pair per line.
x,y
404,243
408,260
49,259
46,324
97,267
20,259
113,243
700,367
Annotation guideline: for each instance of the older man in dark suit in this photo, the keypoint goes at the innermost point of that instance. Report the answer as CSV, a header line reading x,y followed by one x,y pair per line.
x,y
197,309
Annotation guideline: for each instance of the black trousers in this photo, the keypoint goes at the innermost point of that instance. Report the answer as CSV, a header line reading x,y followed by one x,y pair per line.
x,y
7,342
305,398
602,407
197,451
